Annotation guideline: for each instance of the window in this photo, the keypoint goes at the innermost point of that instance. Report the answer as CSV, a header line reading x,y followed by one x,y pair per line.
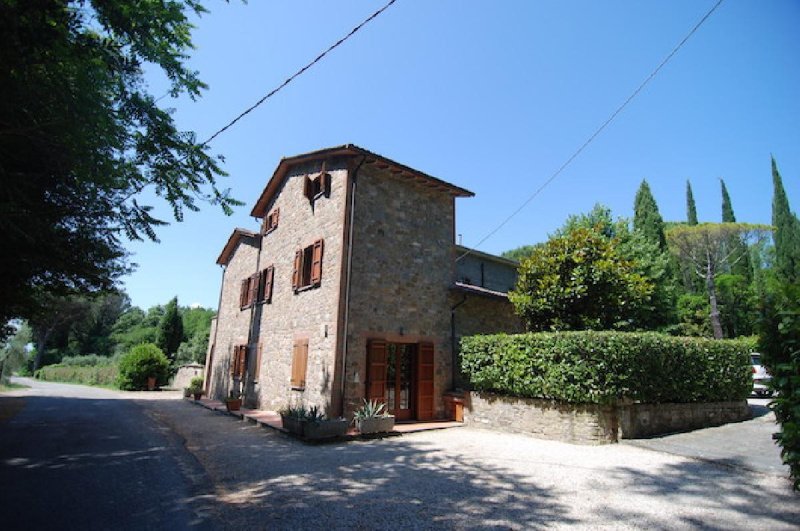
x,y
257,370
249,292
239,361
299,364
318,186
271,221
265,281
307,267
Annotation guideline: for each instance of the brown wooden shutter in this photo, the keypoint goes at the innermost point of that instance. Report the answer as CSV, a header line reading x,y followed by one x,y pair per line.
x,y
298,269
376,370
425,366
244,293
308,188
316,264
234,360
275,219
252,295
240,368
326,184
299,364
268,278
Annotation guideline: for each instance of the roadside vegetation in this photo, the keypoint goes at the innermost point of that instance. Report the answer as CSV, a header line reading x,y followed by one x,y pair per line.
x,y
655,311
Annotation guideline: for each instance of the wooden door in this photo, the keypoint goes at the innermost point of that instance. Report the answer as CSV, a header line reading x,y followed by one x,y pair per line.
x,y
425,372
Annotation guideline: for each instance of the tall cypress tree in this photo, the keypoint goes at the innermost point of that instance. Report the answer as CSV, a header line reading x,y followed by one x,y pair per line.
x,y
691,208
787,232
727,209
170,330
646,217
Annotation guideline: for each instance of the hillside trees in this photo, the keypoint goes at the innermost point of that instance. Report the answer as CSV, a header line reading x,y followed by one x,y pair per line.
x,y
706,249
81,139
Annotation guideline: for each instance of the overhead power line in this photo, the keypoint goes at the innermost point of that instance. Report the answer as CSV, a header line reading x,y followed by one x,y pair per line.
x,y
298,73
596,133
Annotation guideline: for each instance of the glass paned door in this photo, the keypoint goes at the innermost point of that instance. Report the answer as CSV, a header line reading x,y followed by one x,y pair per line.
x,y
400,380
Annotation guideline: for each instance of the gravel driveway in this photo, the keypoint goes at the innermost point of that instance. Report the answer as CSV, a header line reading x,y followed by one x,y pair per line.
x,y
465,478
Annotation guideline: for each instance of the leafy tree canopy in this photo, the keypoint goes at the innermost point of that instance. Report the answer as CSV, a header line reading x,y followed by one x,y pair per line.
x,y
579,281
81,138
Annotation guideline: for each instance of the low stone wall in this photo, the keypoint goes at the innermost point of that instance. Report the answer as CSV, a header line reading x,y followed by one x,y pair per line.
x,y
594,424
185,374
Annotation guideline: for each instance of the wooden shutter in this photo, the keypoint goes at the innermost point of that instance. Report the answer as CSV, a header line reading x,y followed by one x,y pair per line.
x,y
326,184
234,360
308,188
275,218
425,365
243,361
316,264
269,274
376,370
252,294
244,293
298,269
299,364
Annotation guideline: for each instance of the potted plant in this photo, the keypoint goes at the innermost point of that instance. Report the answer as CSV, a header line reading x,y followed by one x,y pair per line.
x,y
294,419
195,388
234,401
371,417
319,426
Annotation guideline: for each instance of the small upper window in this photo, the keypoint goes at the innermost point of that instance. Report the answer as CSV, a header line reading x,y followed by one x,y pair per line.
x,y
265,284
249,292
271,221
318,186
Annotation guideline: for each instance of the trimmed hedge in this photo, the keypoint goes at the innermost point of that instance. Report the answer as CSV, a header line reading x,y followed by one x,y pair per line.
x,y
99,375
602,367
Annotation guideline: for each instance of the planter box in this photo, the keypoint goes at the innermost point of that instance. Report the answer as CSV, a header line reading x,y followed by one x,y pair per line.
x,y
294,425
325,429
376,424
233,404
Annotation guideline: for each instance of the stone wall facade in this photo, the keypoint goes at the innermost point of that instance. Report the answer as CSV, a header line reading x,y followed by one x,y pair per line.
x,y
595,424
401,272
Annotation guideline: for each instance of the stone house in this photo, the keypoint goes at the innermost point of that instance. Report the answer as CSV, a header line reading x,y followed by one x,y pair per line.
x,y
352,288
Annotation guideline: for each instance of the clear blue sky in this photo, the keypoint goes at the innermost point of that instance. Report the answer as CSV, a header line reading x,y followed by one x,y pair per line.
x,y
493,97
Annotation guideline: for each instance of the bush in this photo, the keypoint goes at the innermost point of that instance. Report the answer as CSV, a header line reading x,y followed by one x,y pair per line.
x,y
142,362
602,367
780,344
105,375
91,360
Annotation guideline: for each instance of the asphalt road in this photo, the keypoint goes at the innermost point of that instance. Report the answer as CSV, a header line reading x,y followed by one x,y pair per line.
x,y
74,457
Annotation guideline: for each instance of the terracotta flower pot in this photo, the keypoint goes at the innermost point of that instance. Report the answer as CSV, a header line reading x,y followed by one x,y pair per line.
x,y
233,404
151,383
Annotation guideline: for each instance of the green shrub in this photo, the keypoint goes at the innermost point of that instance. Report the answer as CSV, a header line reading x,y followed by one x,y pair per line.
x,y
91,360
142,362
601,367
105,375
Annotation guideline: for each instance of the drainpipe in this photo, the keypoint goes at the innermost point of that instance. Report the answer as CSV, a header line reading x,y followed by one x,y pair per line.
x,y
453,342
348,271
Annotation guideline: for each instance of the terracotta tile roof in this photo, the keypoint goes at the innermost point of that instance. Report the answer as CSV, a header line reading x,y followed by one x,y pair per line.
x,y
233,241
286,163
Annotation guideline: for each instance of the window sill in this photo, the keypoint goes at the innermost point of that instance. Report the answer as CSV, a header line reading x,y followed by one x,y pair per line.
x,y
306,288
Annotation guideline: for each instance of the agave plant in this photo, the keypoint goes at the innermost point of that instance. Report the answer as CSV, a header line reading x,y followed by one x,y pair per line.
x,y
370,409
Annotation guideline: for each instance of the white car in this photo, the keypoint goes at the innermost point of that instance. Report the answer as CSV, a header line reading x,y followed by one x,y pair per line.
x,y
761,378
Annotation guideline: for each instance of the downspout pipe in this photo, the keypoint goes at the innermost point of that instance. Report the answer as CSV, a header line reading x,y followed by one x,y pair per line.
x,y
454,361
348,273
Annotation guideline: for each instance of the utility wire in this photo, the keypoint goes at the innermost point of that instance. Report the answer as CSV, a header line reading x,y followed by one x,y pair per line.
x,y
298,73
596,133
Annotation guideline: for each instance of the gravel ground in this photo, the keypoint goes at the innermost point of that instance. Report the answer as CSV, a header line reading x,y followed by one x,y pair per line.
x,y
464,478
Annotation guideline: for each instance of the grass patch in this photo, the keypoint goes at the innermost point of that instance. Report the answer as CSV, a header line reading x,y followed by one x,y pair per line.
x,y
10,386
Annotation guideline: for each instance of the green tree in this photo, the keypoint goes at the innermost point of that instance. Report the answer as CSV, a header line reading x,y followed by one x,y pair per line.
x,y
737,305
705,248
743,267
81,139
519,253
578,281
691,207
170,330
13,353
646,217
787,232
